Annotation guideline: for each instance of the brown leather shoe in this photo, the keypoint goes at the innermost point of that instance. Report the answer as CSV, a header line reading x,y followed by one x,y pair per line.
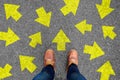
x,y
49,58
72,57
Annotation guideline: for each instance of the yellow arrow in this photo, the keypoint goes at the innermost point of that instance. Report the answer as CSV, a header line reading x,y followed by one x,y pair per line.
x,y
43,17
5,72
11,10
61,39
83,26
71,6
104,9
95,51
106,70
108,32
26,63
10,37
35,39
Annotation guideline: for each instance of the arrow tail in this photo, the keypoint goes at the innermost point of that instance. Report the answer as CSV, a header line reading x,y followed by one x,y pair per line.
x,y
106,3
3,35
113,35
104,76
31,67
61,46
87,49
16,15
33,44
65,10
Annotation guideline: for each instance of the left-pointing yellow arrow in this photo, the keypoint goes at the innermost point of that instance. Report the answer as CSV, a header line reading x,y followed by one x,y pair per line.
x,y
71,6
26,63
61,39
83,26
11,10
10,37
5,72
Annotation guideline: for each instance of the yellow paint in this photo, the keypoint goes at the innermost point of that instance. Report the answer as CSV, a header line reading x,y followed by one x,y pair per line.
x,y
61,39
95,51
83,26
10,37
106,70
43,17
108,32
11,10
35,39
104,9
71,6
5,72
26,63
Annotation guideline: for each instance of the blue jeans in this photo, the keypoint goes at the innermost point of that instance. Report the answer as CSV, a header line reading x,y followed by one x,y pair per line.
x,y
48,73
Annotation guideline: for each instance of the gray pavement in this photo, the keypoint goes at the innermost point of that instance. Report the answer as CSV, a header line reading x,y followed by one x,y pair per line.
x,y
26,26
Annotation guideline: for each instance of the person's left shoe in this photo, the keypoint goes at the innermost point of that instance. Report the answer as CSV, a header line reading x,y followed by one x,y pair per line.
x,y
49,58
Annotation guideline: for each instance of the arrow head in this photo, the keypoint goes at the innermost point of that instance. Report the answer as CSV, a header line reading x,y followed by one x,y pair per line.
x,y
11,37
61,37
26,63
44,18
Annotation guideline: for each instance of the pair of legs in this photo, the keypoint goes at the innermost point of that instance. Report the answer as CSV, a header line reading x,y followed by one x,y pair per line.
x,y
48,72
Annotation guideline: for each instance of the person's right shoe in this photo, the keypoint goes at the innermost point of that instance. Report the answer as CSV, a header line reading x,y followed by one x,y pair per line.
x,y
72,57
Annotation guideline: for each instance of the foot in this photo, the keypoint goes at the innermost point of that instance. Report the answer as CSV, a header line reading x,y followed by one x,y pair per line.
x,y
49,58
72,57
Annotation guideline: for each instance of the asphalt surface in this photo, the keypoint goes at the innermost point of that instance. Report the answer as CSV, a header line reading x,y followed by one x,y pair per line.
x,y
26,26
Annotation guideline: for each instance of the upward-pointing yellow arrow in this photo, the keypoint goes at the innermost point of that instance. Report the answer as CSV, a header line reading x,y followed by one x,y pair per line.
x,y
104,9
26,63
10,37
83,26
108,32
106,70
61,39
95,51
43,17
71,6
11,11
5,72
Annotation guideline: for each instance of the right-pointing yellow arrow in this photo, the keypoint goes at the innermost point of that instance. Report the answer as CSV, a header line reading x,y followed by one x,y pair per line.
x,y
11,10
108,32
26,63
10,37
95,51
106,70
61,39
